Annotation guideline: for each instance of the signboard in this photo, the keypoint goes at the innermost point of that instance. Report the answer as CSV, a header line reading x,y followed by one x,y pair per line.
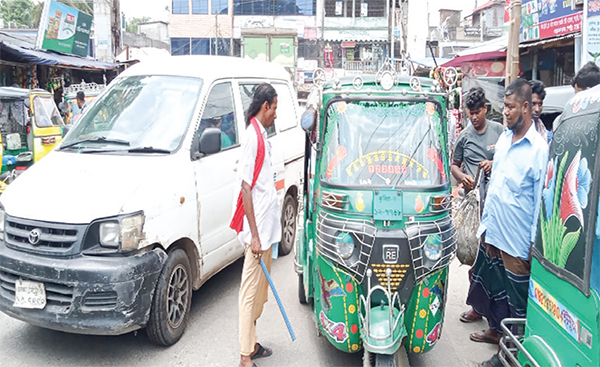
x,y
64,29
548,18
592,32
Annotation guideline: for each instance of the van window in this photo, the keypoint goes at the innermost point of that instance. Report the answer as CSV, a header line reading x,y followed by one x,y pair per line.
x,y
219,113
286,116
247,91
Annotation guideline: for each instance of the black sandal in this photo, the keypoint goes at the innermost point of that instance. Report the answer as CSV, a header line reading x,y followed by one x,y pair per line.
x,y
262,352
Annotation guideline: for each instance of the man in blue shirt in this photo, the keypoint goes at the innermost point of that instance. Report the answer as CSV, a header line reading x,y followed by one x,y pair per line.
x,y
500,279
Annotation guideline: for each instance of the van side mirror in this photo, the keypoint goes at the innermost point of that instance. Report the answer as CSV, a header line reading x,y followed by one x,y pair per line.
x,y
308,120
210,141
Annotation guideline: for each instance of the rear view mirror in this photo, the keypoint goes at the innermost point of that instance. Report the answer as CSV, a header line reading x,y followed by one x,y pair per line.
x,y
309,119
210,141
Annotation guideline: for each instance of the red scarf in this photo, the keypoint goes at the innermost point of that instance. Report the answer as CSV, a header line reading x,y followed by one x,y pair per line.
x,y
237,222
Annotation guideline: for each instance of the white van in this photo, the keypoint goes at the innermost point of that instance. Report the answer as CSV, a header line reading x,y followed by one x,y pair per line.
x,y
110,232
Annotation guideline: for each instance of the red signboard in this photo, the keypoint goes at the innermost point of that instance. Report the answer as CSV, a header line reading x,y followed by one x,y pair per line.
x,y
560,26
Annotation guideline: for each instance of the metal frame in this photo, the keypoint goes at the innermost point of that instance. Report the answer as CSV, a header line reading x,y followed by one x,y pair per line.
x,y
507,353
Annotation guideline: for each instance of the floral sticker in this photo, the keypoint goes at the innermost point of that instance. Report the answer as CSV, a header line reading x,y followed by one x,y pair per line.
x,y
430,108
565,195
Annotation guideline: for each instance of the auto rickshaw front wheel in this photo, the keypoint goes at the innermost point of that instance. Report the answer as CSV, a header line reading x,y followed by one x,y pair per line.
x,y
398,359
172,300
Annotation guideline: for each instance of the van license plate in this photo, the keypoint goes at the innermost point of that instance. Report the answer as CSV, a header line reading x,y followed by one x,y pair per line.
x,y
29,294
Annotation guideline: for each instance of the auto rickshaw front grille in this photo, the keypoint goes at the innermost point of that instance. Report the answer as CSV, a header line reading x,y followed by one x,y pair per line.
x,y
329,226
58,295
41,237
419,232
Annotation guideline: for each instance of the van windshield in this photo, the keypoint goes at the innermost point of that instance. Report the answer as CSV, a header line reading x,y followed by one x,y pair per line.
x,y
383,144
151,113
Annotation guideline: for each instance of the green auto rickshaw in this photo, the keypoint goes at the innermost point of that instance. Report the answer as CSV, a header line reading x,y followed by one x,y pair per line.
x,y
377,237
562,325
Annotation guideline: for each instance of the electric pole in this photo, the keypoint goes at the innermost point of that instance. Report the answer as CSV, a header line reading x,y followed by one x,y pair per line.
x,y
512,51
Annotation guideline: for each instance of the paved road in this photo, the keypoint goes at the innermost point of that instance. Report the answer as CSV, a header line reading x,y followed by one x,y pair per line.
x,y
211,337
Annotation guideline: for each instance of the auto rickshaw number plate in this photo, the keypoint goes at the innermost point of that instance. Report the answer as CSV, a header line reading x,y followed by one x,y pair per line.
x,y
387,205
29,294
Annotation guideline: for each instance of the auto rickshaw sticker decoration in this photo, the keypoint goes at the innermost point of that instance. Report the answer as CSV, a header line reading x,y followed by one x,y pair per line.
x,y
565,195
336,330
419,205
434,334
386,162
342,152
559,313
329,288
359,204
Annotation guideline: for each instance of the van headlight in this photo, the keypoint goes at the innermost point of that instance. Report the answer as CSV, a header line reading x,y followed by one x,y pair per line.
x,y
125,233
2,215
433,247
345,245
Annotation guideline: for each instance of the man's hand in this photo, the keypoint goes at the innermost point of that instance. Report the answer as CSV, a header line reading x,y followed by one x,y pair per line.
x,y
256,247
486,165
467,182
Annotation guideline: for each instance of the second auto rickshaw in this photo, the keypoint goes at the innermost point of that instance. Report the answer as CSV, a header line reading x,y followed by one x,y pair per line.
x,y
377,235
562,326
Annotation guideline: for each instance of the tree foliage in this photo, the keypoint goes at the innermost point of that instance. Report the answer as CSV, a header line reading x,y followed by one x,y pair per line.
x,y
132,24
18,11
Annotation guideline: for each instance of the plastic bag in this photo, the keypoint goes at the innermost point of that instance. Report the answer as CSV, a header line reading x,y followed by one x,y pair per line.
x,y
466,220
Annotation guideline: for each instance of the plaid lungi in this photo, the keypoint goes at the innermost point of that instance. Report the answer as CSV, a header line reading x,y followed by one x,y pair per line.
x,y
499,285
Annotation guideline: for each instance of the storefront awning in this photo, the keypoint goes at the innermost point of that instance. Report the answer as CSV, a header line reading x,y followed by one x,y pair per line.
x,y
492,55
42,57
549,40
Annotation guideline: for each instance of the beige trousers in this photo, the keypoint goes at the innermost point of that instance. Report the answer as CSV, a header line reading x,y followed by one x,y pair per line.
x,y
253,296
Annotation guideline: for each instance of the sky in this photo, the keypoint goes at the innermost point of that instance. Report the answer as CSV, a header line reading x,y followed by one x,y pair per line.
x,y
154,9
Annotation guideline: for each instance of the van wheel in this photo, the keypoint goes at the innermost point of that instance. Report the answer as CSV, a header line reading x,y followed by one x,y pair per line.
x,y
288,227
172,300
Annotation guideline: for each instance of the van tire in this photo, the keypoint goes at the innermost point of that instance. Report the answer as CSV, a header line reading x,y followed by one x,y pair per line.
x,y
172,300
289,216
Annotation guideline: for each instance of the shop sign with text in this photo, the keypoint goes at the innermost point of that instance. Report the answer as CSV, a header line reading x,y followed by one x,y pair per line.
x,y
547,19
64,29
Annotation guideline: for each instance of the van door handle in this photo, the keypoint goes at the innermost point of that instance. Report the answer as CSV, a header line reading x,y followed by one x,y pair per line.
x,y
235,166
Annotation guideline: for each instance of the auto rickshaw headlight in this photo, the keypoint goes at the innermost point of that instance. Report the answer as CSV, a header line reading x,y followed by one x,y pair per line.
x,y
433,247
345,245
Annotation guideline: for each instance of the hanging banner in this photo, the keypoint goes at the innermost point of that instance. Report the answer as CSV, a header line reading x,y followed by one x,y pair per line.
x,y
547,19
64,29
591,35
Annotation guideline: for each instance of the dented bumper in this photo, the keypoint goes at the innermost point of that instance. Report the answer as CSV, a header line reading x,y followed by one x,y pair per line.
x,y
100,295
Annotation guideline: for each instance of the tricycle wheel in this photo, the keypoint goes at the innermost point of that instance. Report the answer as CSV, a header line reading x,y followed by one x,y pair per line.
x,y
301,293
288,225
398,359
172,300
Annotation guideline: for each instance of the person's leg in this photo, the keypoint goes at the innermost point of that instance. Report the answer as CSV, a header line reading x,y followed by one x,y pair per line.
x,y
247,298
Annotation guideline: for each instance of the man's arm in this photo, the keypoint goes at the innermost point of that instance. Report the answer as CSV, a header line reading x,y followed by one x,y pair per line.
x,y
249,211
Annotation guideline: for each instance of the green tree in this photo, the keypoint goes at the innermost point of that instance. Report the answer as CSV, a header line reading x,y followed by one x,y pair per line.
x,y
132,24
18,11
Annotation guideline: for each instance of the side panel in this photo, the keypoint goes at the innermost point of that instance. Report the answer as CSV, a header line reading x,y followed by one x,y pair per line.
x,y
563,317
336,306
425,312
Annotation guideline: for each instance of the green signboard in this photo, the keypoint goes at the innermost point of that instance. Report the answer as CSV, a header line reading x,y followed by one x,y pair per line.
x,y
65,29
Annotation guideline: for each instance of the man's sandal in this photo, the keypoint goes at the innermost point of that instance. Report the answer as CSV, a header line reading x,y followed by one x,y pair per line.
x,y
262,352
470,316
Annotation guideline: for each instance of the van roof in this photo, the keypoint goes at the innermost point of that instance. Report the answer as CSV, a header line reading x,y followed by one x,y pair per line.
x,y
208,68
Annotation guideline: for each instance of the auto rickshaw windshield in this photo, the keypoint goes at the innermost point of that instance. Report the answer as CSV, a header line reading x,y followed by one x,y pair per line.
x,y
383,144
138,111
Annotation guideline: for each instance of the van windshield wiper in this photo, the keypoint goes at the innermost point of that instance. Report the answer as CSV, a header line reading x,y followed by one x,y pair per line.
x,y
148,149
101,139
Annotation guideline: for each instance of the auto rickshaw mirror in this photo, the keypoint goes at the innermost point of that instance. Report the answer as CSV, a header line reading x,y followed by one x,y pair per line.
x,y
308,120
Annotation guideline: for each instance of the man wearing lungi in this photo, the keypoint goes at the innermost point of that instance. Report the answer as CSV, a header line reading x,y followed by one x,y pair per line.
x,y
500,279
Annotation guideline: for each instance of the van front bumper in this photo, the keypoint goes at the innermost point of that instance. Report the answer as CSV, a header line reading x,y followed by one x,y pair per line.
x,y
97,295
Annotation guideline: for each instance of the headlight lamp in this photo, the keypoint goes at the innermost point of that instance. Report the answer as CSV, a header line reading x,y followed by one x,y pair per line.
x,y
433,247
345,245
125,233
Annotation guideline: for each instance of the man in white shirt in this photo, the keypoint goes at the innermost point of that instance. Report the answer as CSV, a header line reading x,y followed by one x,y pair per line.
x,y
262,221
